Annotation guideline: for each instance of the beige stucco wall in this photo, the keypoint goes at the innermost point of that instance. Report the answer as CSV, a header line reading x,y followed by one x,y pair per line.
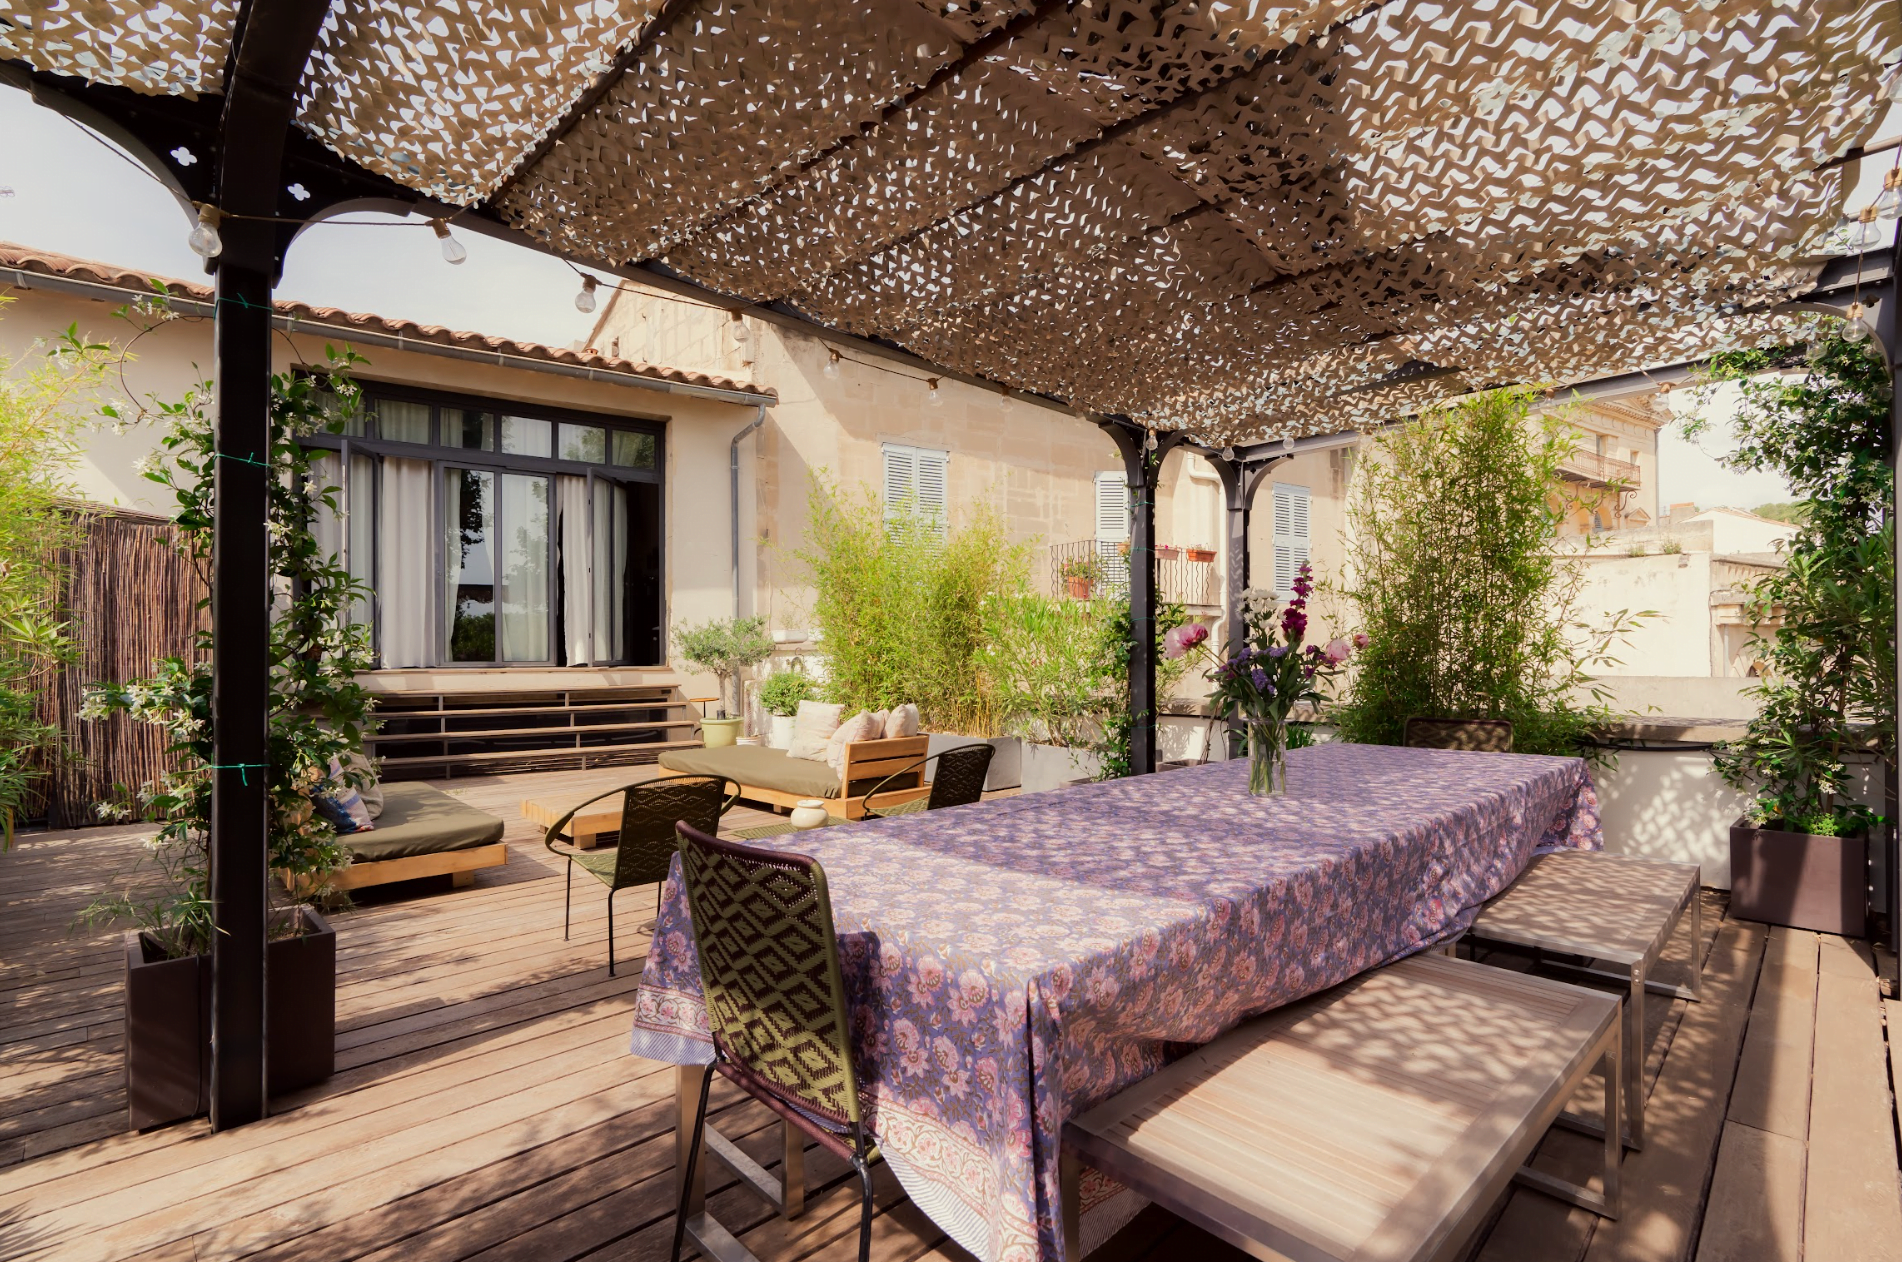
x,y
178,353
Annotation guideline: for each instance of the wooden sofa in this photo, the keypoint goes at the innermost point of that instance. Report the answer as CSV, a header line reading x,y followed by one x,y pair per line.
x,y
421,832
771,776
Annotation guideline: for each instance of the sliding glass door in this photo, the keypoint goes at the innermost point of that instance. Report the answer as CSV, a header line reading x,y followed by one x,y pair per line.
x,y
496,551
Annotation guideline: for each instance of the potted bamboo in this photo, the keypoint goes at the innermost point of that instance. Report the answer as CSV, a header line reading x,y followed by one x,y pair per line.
x,y
311,764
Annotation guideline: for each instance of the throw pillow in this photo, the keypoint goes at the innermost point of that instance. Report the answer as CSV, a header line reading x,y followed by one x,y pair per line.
x,y
902,721
341,805
813,727
860,727
372,789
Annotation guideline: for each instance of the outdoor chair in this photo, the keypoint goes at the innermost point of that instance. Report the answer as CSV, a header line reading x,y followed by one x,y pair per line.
x,y
769,967
960,780
645,844
1493,736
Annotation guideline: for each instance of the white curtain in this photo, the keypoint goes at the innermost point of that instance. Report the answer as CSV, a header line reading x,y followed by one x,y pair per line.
x,y
610,570
577,570
403,568
525,547
327,470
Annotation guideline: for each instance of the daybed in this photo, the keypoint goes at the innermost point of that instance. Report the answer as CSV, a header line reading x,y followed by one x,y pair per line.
x,y
421,832
772,776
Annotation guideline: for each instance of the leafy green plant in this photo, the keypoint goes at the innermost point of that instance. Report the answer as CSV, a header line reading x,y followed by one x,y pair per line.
x,y
40,405
1086,568
1470,611
318,710
725,648
1053,666
1828,693
783,690
900,605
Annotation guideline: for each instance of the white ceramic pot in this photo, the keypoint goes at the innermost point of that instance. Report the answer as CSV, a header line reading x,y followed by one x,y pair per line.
x,y
809,813
780,737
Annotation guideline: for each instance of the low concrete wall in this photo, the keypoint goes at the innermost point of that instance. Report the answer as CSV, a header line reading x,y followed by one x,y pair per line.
x,y
1676,696
1669,804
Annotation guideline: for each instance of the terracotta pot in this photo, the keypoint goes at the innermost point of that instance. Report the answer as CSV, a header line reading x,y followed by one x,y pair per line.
x,y
168,1021
1167,552
1079,588
1201,554
1800,879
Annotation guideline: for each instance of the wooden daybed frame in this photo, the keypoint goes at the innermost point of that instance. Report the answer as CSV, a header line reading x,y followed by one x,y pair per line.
x,y
866,763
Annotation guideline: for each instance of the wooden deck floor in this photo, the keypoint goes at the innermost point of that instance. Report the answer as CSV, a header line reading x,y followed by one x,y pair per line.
x,y
485,1106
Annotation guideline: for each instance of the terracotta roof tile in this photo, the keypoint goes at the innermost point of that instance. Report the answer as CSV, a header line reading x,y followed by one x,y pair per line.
x,y
48,263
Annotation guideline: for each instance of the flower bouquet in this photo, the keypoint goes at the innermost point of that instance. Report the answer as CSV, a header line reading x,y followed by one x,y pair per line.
x,y
1268,674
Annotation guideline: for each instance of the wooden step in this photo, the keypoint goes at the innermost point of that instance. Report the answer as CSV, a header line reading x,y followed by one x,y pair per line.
x,y
534,755
476,712
509,733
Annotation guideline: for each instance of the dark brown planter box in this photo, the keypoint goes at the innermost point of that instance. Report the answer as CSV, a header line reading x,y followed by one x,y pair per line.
x,y
1800,879
168,1021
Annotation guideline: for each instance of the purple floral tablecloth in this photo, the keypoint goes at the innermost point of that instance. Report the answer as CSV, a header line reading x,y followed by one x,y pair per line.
x,y
1014,962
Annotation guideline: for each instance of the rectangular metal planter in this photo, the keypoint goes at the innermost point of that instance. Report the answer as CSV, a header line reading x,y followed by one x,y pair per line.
x,y
168,1021
1800,879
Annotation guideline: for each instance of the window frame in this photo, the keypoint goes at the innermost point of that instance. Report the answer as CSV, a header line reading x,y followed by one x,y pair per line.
x,y
887,508
442,457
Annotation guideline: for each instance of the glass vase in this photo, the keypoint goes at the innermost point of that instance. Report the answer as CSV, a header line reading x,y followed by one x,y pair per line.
x,y
1267,759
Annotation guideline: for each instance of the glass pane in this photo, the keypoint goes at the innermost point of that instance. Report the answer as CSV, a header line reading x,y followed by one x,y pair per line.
x,y
361,522
469,564
525,436
525,544
610,571
584,442
632,450
400,422
464,428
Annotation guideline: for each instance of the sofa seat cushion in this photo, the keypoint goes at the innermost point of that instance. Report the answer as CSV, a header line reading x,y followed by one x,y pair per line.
x,y
758,766
417,820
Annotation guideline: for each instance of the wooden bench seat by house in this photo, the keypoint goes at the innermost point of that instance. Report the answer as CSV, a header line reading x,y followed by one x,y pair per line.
x,y
421,832
1378,1120
771,776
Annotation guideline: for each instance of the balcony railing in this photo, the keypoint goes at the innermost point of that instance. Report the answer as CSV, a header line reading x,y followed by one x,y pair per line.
x,y
1596,470
1178,579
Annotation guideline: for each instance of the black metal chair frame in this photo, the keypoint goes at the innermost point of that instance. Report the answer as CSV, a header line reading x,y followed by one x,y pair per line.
x,y
943,787
821,1028
623,855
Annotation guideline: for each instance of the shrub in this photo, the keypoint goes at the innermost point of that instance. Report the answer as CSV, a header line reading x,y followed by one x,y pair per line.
x,y
900,605
1469,609
1053,666
725,648
783,690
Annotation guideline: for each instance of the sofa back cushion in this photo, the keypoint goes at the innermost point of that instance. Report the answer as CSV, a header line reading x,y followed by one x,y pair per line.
x,y
813,727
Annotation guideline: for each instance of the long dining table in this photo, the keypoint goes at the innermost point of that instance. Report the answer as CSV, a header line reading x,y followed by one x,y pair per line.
x,y
1011,963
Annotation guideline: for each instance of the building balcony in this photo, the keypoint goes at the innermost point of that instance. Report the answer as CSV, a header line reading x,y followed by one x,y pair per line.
x,y
1094,567
1595,470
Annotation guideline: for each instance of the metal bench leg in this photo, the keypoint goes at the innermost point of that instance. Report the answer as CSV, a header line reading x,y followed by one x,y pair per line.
x,y
1634,1061
1605,1204
1069,1177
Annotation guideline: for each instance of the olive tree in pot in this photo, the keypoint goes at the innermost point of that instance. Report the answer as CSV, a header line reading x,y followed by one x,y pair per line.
x,y
1828,708
724,649
318,717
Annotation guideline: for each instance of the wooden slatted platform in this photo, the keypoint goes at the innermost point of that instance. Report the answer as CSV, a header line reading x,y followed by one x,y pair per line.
x,y
425,734
485,1105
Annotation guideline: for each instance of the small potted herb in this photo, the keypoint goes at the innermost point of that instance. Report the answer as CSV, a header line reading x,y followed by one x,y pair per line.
x,y
780,696
1081,575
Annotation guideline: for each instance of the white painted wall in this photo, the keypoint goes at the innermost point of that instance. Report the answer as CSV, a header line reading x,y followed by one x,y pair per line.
x,y
1733,532
1677,586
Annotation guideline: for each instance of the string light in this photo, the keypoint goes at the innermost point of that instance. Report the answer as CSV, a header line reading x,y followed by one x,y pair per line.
x,y
204,239
933,395
1228,453
584,301
1287,445
1865,234
739,327
453,251
1150,443
1889,203
1854,329
832,363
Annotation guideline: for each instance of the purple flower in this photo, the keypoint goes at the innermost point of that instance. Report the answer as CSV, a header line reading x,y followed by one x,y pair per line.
x,y
1279,650
1260,677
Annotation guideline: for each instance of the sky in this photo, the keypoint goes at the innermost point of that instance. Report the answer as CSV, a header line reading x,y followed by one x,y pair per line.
x,y
63,189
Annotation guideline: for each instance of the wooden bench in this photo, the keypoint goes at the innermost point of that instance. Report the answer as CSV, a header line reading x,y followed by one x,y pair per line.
x,y
1379,1120
1613,909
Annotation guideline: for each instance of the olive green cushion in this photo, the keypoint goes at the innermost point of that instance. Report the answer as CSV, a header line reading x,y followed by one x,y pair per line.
x,y
599,864
758,766
417,819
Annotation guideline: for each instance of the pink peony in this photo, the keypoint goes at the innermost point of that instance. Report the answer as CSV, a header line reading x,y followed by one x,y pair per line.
x,y
1362,640
1337,650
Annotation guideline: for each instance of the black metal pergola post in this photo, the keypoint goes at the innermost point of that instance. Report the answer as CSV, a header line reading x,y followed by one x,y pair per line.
x,y
1140,468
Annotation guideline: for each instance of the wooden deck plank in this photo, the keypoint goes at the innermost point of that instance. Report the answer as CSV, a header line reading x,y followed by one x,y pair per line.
x,y
1755,1210
1853,1208
1773,1077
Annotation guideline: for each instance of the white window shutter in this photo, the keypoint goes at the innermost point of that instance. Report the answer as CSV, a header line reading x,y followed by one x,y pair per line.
x,y
1292,538
1112,508
929,484
901,479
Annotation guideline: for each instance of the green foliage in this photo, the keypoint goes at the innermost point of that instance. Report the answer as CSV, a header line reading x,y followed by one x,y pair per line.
x,y
1795,512
1053,665
725,647
1829,690
1088,566
783,690
318,711
901,606
39,447
1468,609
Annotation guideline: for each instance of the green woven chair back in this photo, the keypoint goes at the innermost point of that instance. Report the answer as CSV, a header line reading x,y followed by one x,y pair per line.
x,y
649,812
1491,735
769,964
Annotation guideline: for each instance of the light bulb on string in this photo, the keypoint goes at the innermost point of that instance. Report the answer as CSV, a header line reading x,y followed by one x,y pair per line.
x,y
933,396
1228,453
832,363
1151,443
204,239
452,250
739,327
1854,329
1003,400
584,301
1889,201
1864,234
1287,445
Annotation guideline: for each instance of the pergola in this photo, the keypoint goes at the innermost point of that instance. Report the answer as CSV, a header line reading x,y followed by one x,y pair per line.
x,y
1237,226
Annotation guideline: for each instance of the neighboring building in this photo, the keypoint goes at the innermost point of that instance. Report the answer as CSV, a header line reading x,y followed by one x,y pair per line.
x,y
532,520
1610,481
